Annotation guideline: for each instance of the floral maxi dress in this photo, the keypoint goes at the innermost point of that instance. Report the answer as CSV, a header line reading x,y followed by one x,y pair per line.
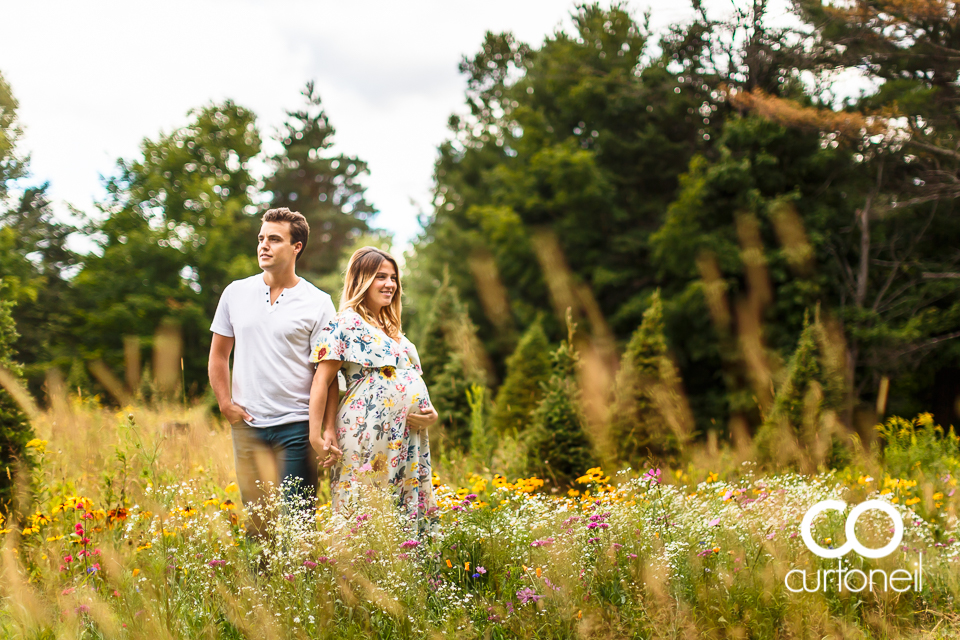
x,y
384,384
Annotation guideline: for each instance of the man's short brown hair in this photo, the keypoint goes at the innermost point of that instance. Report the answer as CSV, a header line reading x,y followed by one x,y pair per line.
x,y
299,229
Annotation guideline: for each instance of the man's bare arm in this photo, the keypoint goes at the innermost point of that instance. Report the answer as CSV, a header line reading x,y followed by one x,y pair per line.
x,y
218,369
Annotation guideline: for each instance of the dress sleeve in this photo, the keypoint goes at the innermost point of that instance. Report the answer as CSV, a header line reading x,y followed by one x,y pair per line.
x,y
413,355
348,338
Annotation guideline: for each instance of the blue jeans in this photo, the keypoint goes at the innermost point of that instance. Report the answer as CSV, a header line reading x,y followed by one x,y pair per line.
x,y
284,451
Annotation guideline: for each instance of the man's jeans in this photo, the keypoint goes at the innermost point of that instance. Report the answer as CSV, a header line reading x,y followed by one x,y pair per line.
x,y
262,453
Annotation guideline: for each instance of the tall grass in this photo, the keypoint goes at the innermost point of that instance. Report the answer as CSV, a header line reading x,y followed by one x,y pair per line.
x,y
132,529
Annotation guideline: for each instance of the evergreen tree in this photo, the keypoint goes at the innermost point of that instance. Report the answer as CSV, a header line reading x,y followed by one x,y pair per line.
x,y
451,361
638,426
803,429
325,188
528,369
557,444
15,429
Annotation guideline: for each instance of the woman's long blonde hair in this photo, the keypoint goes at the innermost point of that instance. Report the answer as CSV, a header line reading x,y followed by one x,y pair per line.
x,y
363,267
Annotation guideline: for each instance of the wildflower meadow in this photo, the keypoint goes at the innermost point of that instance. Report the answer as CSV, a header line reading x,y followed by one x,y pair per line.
x,y
131,527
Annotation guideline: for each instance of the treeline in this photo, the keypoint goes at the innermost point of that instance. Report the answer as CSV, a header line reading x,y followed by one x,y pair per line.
x,y
721,169
742,254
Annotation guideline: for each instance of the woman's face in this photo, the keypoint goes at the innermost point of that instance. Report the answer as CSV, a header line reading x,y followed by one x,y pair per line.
x,y
384,287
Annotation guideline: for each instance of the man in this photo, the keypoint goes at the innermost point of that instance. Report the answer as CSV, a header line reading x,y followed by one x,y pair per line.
x,y
270,321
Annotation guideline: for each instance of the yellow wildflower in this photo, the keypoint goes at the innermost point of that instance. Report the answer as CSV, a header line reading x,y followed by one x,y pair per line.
x,y
38,444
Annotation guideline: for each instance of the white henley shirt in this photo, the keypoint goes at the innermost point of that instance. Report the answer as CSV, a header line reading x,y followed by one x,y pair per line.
x,y
272,372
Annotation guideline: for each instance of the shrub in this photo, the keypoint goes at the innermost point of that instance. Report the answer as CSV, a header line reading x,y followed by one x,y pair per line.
x,y
528,369
451,360
557,445
638,426
803,429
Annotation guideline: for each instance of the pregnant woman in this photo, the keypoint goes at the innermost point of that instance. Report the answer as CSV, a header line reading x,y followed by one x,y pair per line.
x,y
380,425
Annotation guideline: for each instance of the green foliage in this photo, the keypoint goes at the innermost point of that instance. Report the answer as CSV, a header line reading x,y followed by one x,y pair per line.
x,y
483,440
763,170
12,164
36,263
638,427
528,370
803,428
907,447
15,429
578,136
557,444
180,225
450,358
326,189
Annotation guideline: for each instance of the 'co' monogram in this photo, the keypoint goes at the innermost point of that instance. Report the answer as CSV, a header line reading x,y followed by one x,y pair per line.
x,y
852,542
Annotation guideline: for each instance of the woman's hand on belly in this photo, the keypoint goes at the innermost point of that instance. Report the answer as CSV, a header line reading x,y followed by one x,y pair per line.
x,y
420,421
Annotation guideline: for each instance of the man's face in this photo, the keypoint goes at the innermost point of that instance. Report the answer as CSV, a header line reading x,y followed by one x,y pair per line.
x,y
274,250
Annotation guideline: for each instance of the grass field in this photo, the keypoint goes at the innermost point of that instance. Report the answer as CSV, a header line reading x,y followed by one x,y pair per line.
x,y
131,527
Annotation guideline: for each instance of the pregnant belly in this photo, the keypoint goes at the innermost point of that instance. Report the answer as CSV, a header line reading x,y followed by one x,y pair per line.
x,y
387,396
411,391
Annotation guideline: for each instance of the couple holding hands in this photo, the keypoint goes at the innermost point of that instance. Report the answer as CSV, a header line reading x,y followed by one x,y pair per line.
x,y
289,345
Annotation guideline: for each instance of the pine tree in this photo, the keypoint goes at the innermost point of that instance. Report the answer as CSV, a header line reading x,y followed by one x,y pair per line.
x,y
803,429
638,426
528,369
557,444
15,429
451,361
325,188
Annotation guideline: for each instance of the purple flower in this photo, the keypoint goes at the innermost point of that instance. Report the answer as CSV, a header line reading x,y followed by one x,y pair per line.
x,y
592,540
403,556
542,543
216,563
527,595
481,570
476,575
617,546
410,544
653,475
713,523
471,497
592,525
310,564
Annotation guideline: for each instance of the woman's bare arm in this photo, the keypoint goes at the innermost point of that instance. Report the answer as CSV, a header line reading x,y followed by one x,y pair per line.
x,y
323,411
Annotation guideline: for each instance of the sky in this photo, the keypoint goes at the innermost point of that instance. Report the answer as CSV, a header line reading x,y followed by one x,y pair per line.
x,y
94,79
